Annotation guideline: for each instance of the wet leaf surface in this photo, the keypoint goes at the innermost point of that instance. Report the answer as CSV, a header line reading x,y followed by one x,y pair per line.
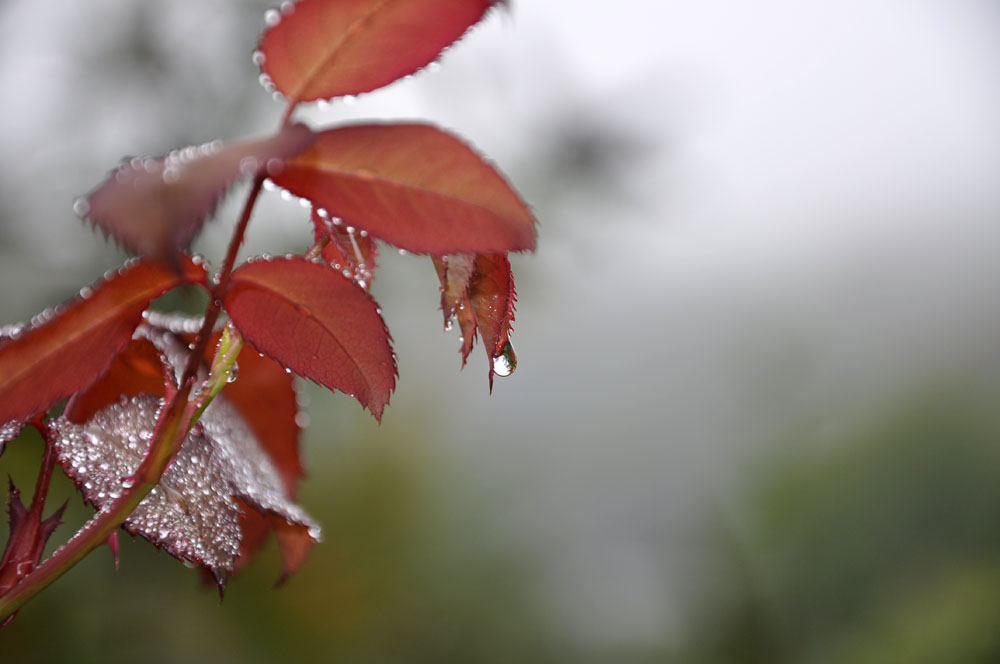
x,y
319,49
194,512
317,323
414,186
72,347
156,206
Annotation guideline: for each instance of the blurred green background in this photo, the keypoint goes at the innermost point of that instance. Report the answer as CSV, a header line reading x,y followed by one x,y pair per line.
x,y
755,415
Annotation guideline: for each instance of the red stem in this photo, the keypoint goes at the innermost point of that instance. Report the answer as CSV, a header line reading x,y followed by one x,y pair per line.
x,y
176,417
44,474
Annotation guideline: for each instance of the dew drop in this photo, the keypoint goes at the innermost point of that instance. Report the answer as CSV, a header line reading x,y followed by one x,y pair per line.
x,y
128,482
505,363
234,373
272,17
275,166
81,206
248,166
258,58
287,7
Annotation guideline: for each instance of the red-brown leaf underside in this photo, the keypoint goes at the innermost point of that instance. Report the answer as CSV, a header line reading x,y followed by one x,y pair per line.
x,y
194,513
66,353
317,323
491,291
414,186
155,207
455,271
330,48
479,292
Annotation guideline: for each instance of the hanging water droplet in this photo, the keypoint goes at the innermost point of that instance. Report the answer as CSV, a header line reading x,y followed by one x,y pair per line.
x,y
505,363
128,482
258,58
234,373
287,7
272,17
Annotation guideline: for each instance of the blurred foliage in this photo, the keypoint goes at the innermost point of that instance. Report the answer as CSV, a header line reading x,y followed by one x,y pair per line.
x,y
410,572
878,546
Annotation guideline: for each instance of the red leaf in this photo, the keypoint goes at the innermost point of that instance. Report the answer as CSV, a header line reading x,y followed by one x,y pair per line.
x,y
317,323
329,48
155,207
68,351
478,291
354,253
294,539
414,186
265,395
138,369
294,542
455,271
491,291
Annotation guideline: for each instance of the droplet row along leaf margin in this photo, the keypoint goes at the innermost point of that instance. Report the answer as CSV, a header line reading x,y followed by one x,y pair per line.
x,y
318,49
414,186
59,357
317,323
156,206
